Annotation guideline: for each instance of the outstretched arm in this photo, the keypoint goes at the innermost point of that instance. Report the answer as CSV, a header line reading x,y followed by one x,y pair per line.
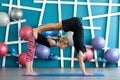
x,y
47,27
82,64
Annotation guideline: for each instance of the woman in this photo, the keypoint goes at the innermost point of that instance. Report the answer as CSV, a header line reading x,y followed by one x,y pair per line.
x,y
74,25
47,41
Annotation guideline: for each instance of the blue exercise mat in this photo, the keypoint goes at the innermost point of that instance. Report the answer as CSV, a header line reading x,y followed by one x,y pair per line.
x,y
64,75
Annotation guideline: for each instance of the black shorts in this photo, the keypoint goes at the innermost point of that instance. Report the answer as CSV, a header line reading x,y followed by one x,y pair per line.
x,y
71,24
75,25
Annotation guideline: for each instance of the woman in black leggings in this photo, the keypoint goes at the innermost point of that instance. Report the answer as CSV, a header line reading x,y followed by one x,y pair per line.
x,y
74,25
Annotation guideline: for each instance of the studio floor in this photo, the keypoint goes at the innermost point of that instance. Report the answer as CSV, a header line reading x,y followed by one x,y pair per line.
x,y
16,74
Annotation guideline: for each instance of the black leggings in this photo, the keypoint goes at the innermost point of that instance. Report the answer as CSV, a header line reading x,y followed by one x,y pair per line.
x,y
75,25
79,41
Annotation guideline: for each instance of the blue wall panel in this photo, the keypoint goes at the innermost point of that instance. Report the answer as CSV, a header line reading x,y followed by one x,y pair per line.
x,y
51,15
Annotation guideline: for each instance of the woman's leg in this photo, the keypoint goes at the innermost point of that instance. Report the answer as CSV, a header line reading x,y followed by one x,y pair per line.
x,y
78,38
30,54
47,27
28,71
80,48
31,68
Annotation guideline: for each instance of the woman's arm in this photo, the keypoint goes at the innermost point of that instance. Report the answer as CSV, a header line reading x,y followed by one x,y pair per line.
x,y
82,64
51,41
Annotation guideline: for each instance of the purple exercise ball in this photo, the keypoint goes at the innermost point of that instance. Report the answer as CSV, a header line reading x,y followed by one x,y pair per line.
x,y
112,55
42,52
98,42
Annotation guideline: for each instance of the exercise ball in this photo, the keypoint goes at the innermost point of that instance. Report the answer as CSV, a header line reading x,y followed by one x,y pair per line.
x,y
42,52
22,58
16,14
4,19
3,49
69,35
101,59
89,53
112,55
24,31
52,57
13,52
48,33
98,42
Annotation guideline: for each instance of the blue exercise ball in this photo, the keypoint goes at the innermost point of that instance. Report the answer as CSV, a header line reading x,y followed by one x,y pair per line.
x,y
53,57
13,52
99,59
48,33
112,55
98,42
42,52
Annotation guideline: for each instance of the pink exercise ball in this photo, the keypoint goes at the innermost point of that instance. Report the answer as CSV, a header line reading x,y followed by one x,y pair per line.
x,y
89,54
22,58
3,49
24,31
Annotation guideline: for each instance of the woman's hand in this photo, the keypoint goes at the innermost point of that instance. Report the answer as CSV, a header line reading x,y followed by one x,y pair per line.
x,y
35,33
88,74
51,41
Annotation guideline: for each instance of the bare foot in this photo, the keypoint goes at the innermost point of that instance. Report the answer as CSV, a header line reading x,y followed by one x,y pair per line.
x,y
31,73
35,33
88,74
34,72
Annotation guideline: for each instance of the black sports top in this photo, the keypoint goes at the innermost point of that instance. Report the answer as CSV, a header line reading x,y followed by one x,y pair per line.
x,y
42,40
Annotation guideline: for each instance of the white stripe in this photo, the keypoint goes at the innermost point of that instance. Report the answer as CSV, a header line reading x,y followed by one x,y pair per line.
x,y
78,3
101,16
6,36
92,30
42,13
59,17
22,7
119,40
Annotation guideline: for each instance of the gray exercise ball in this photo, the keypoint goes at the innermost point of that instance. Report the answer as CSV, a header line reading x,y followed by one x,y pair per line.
x,y
69,35
16,14
4,19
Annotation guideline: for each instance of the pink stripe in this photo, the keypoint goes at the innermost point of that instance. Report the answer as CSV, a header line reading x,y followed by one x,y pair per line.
x,y
31,48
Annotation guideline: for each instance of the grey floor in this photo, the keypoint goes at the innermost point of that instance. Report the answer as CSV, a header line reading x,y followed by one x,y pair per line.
x,y
16,74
